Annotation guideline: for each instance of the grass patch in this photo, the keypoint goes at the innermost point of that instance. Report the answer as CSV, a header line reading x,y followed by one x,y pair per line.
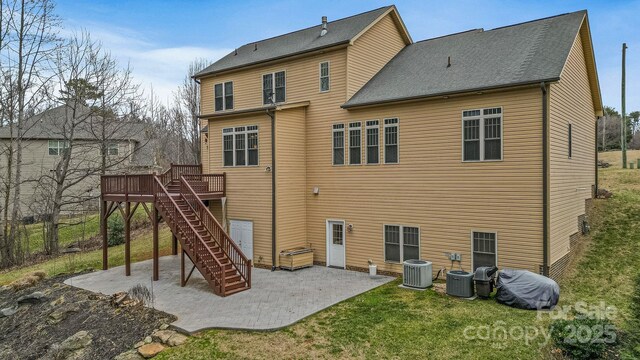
x,y
141,249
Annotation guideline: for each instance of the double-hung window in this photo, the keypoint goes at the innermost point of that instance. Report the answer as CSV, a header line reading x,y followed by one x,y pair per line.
x,y
240,146
401,243
223,94
355,143
482,134
338,144
274,88
57,147
391,141
373,139
484,249
324,76
112,149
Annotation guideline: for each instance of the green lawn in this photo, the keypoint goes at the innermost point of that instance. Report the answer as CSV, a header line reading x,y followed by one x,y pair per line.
x,y
389,322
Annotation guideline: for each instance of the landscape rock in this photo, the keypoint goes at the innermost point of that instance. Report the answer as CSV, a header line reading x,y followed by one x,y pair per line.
x,y
150,350
129,355
32,298
176,340
163,335
57,316
6,312
59,301
164,326
148,340
77,341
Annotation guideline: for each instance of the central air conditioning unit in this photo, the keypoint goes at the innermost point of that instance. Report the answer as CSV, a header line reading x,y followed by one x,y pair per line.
x,y
417,274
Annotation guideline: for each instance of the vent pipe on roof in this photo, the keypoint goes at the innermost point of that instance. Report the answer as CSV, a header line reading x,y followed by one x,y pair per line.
x,y
255,46
324,26
449,61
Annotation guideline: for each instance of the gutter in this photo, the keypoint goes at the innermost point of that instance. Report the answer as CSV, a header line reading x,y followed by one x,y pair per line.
x,y
545,182
447,93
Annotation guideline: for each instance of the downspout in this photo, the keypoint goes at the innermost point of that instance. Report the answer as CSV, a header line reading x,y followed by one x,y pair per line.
x,y
545,183
272,115
595,191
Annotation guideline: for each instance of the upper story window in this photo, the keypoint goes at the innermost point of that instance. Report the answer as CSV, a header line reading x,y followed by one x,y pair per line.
x,y
274,88
324,76
482,134
240,146
113,149
355,141
373,139
57,147
338,144
391,141
223,94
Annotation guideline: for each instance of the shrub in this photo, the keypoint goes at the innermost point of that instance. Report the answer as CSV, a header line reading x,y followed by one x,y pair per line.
x,y
583,337
115,231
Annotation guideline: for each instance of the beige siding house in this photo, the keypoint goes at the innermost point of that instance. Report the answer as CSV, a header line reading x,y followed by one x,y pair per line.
x,y
46,137
472,149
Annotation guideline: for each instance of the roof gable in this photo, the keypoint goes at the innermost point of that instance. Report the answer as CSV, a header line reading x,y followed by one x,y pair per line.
x,y
513,55
341,31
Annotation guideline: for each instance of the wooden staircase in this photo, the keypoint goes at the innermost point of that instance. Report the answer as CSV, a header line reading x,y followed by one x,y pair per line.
x,y
202,238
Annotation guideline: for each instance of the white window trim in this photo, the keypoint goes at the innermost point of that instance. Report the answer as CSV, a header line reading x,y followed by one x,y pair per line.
x,y
224,96
273,86
348,126
473,250
482,117
384,152
384,242
320,76
366,142
246,145
344,145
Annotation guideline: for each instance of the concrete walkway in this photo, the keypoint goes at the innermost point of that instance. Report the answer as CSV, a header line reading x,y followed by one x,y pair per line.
x,y
276,299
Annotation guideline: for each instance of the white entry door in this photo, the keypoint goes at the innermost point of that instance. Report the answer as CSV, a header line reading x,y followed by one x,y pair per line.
x,y
241,233
335,244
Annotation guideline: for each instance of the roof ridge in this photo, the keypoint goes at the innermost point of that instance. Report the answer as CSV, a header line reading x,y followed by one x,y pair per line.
x,y
313,26
536,20
453,34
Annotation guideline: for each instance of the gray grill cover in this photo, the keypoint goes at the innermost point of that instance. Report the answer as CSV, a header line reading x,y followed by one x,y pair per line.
x,y
526,290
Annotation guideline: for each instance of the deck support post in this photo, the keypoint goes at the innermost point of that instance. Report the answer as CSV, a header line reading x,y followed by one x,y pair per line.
x,y
174,244
103,232
154,220
127,238
182,282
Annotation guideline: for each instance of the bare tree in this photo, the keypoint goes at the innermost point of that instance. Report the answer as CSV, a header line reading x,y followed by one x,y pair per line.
x,y
189,97
94,91
28,40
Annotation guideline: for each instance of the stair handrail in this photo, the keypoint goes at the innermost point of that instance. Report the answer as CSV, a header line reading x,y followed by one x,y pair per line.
x,y
197,235
226,238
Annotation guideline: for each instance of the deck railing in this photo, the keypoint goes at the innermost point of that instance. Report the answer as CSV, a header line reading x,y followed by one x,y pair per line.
x,y
177,171
127,184
207,183
232,251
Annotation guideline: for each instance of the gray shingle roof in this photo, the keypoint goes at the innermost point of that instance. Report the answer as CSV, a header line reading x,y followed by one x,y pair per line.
x,y
524,53
301,41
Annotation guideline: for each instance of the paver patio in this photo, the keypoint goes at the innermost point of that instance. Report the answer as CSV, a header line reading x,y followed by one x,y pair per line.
x,y
276,299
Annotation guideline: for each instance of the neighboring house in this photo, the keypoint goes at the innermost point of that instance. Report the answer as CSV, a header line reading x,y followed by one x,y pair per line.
x,y
480,143
48,134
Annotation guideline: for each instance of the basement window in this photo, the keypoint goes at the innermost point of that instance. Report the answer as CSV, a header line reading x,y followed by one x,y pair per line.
x,y
482,134
324,76
401,243
223,93
484,249
240,146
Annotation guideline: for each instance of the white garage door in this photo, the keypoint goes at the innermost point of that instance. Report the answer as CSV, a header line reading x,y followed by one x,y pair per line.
x,y
242,234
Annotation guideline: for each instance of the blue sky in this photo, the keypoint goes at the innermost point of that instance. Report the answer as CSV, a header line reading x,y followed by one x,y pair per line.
x,y
159,38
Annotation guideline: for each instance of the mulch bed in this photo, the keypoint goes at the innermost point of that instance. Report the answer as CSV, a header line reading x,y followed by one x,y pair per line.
x,y
33,330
